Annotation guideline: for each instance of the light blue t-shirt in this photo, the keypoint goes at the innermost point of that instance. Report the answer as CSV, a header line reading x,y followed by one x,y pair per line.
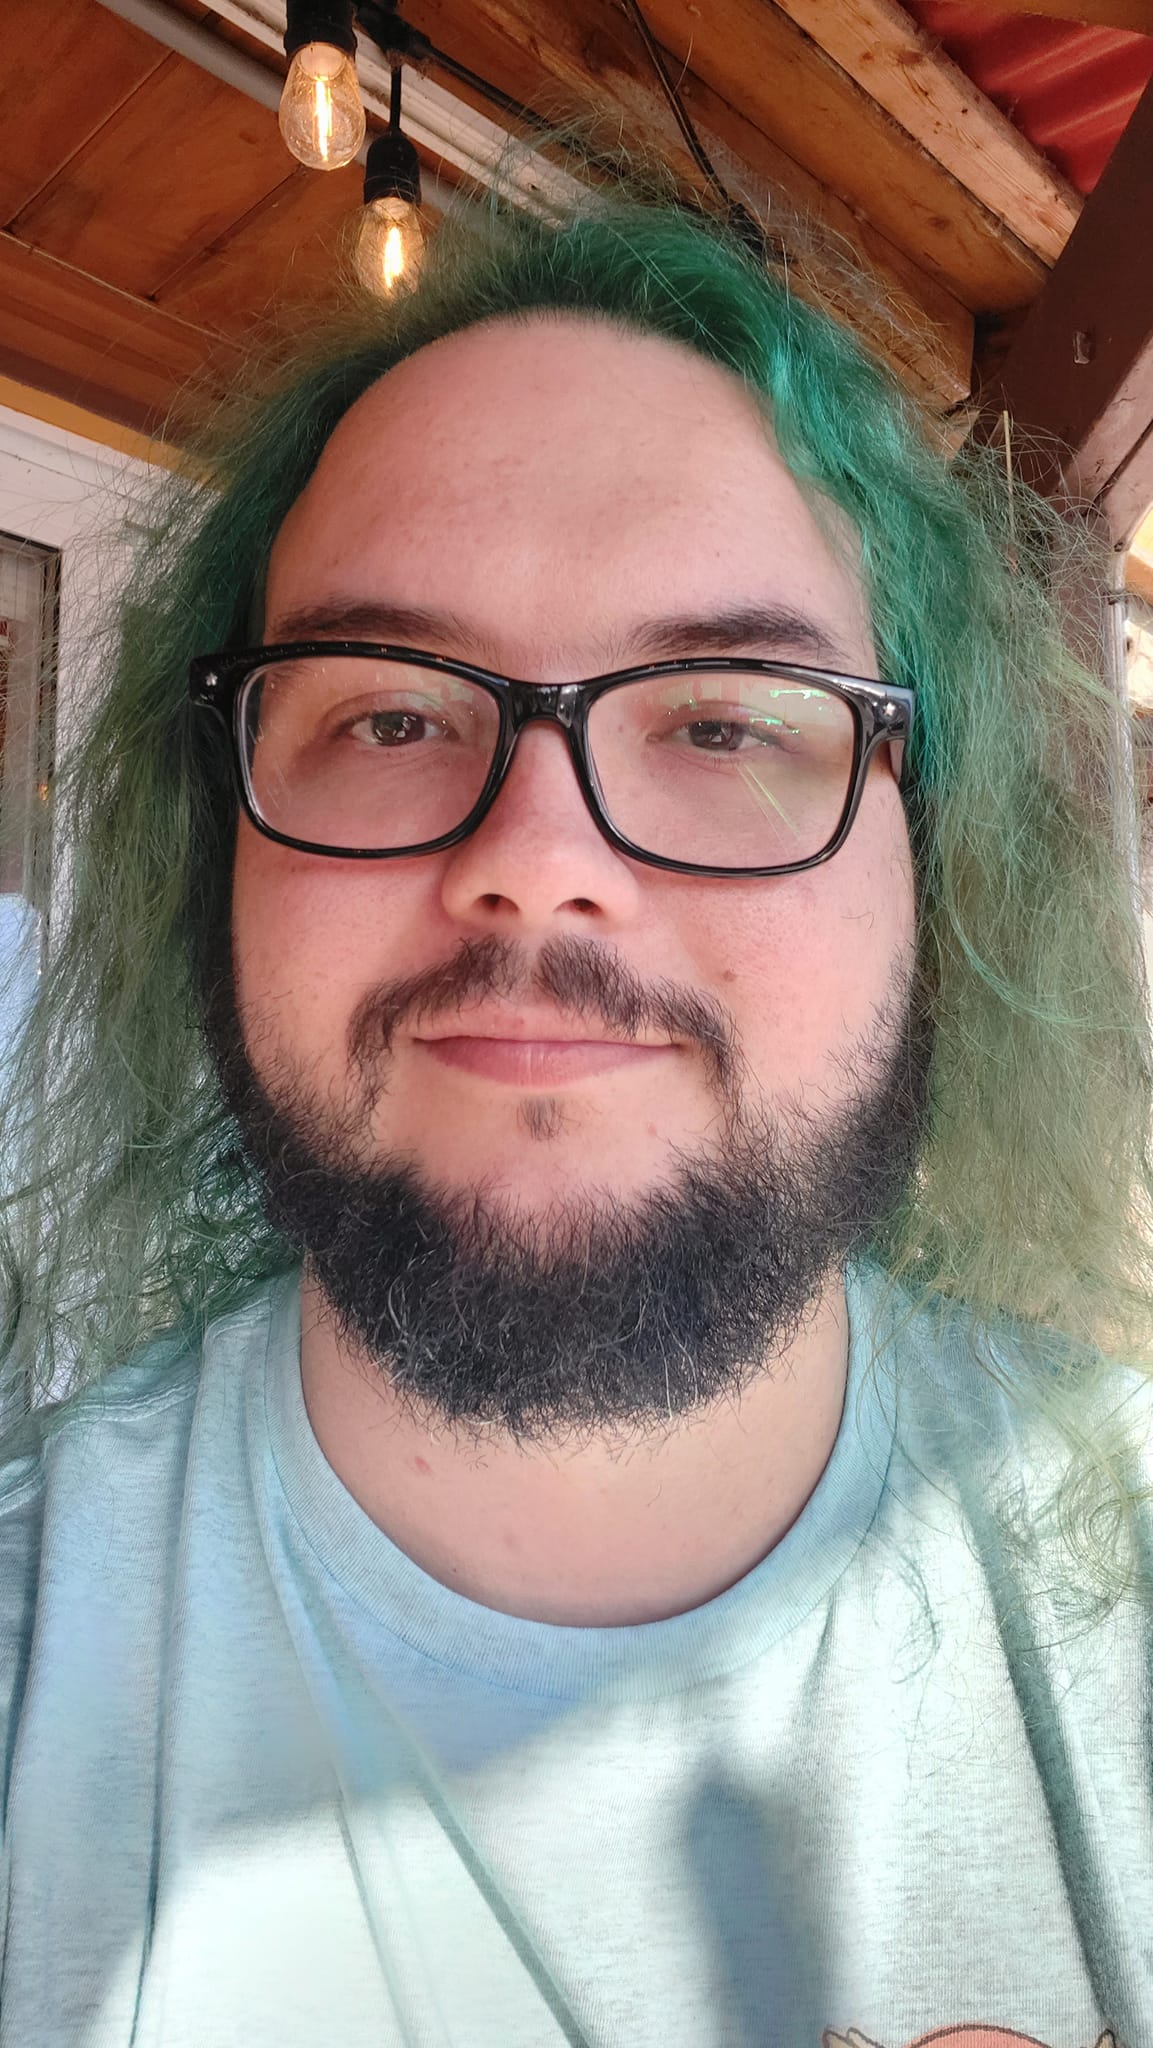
x,y
268,1784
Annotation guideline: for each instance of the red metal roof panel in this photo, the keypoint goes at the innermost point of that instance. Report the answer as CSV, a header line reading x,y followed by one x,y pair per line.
x,y
1070,90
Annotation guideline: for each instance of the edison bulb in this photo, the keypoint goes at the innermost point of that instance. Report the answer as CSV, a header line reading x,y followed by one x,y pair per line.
x,y
321,117
389,245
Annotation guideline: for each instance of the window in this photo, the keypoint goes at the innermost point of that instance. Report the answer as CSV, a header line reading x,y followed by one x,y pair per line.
x,y
29,591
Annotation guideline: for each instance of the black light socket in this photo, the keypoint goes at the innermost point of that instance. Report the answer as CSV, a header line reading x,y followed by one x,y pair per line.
x,y
392,168
320,21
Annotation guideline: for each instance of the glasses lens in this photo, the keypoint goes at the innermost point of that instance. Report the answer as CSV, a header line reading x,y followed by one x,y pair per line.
x,y
732,769
345,751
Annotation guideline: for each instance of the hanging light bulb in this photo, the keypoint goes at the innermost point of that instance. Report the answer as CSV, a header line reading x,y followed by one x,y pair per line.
x,y
321,116
390,236
389,245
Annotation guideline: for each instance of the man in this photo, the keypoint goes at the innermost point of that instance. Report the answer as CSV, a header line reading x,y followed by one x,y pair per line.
x,y
615,898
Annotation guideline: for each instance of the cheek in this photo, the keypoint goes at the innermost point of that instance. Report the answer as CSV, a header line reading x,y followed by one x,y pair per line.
x,y
805,963
305,940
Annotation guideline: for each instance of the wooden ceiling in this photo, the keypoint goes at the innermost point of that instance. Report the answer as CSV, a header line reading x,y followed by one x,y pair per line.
x,y
153,221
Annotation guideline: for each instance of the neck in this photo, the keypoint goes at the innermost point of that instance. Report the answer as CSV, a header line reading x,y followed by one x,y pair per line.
x,y
597,1536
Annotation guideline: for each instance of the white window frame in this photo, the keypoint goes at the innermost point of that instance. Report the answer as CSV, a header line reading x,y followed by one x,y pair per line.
x,y
62,490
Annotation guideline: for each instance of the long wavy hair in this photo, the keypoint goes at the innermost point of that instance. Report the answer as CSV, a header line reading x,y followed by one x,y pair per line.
x,y
130,1210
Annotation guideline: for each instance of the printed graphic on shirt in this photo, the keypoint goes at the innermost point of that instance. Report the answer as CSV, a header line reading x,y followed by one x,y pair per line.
x,y
956,2037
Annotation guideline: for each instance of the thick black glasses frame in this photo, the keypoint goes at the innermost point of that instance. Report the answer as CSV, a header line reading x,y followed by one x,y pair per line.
x,y
881,714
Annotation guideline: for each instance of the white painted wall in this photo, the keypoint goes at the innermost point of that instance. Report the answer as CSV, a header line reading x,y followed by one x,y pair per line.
x,y
64,491
70,493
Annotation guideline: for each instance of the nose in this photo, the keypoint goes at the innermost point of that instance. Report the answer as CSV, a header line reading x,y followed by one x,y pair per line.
x,y
539,859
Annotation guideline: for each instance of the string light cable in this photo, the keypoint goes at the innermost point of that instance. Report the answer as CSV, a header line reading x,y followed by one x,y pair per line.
x,y
751,233
321,114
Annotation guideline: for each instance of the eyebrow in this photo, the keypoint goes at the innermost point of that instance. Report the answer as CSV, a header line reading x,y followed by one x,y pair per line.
x,y
735,628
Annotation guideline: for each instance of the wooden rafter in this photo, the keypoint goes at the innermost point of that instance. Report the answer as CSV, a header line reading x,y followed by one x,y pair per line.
x,y
116,353
937,251
1077,382
910,319
841,112
562,56
922,327
906,72
763,66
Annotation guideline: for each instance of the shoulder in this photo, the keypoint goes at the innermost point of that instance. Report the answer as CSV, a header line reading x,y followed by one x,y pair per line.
x,y
62,1468
118,1416
91,1489
133,1412
993,1379
1039,1451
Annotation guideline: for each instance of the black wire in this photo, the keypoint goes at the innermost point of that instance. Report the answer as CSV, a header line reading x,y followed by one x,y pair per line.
x,y
395,39
487,91
767,247
695,146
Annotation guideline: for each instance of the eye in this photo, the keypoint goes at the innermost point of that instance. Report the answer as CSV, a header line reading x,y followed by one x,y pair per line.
x,y
393,729
735,735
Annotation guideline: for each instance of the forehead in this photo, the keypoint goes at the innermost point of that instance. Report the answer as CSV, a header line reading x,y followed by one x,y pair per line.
x,y
554,482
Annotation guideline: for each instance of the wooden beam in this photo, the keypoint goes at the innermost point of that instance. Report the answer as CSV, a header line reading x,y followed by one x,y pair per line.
x,y
560,58
909,319
1129,494
74,336
127,346
285,245
277,261
1077,381
75,64
203,153
906,71
90,426
757,59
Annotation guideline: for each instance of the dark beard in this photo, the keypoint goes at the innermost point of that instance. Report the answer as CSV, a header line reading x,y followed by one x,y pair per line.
x,y
599,1320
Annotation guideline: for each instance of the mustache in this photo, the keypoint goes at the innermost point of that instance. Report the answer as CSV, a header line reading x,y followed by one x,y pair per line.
x,y
583,977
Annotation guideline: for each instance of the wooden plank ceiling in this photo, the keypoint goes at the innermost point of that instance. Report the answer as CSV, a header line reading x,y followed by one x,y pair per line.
x,y
153,222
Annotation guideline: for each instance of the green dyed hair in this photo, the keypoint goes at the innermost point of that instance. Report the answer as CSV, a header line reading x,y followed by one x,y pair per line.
x,y
131,1210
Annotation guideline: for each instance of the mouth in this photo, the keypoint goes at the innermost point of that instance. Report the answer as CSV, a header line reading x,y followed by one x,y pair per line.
x,y
534,1052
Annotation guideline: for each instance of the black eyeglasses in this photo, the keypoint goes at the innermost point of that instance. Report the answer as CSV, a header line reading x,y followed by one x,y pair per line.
x,y
715,766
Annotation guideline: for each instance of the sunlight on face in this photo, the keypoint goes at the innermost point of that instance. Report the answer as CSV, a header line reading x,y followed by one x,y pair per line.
x,y
544,492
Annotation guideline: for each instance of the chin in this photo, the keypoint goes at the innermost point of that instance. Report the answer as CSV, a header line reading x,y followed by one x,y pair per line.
x,y
544,1175
546,1142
